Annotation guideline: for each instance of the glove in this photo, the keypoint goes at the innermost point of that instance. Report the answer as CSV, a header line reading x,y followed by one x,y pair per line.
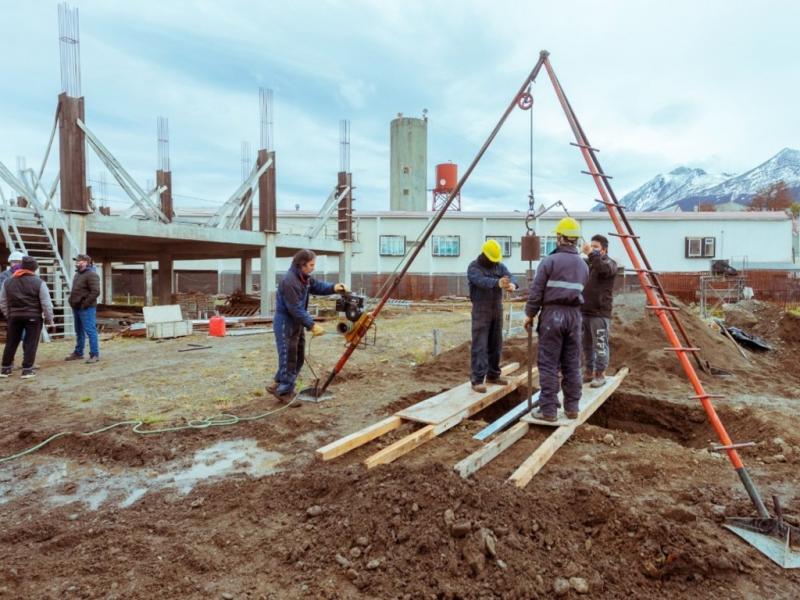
x,y
317,330
528,323
503,282
340,288
511,287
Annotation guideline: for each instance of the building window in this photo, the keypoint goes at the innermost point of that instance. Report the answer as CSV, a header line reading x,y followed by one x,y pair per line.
x,y
547,243
406,170
446,245
405,191
504,241
392,245
700,247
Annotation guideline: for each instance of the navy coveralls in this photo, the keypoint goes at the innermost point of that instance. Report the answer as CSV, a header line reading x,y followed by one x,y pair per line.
x,y
557,291
487,318
291,316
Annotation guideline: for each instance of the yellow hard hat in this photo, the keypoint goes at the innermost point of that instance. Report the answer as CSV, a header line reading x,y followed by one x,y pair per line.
x,y
491,249
568,227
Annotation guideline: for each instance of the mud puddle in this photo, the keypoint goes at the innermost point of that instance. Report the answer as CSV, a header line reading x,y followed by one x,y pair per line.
x,y
65,482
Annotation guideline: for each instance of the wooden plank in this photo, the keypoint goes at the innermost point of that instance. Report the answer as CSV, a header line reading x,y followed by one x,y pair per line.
x,y
401,447
441,407
430,431
359,438
490,451
534,463
507,419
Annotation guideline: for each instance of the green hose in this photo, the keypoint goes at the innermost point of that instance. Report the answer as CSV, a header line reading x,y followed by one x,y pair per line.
x,y
219,420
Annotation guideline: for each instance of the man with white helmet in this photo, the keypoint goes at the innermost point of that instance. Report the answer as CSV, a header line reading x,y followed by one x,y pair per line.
x,y
556,295
488,277
14,262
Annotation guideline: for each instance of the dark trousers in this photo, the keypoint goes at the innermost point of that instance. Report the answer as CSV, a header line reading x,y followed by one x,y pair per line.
x,y
290,340
487,344
31,327
559,351
595,343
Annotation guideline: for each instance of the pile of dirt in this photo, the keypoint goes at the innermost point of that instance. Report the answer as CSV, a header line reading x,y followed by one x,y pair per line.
x,y
790,328
396,532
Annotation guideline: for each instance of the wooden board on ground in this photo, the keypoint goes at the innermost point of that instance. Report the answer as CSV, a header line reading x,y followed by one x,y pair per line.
x,y
534,463
458,407
441,407
490,451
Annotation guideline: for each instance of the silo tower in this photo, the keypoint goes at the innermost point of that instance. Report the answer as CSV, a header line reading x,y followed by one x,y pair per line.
x,y
446,181
409,163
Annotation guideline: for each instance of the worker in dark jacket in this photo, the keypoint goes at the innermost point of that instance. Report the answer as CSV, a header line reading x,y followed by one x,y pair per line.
x,y
83,300
24,298
488,278
14,263
557,291
596,310
292,318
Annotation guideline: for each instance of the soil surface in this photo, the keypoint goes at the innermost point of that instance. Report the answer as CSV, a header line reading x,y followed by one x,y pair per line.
x,y
630,506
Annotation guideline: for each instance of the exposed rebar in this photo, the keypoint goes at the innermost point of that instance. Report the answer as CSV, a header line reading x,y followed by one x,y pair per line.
x,y
266,114
69,45
344,146
162,127
247,160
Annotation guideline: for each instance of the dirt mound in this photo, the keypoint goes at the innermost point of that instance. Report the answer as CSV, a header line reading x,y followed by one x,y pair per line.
x,y
396,532
790,328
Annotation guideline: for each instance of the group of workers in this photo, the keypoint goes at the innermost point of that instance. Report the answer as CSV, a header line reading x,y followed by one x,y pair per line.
x,y
27,306
572,298
571,295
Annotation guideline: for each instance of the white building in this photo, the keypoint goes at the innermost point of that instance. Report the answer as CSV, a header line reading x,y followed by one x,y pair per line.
x,y
674,242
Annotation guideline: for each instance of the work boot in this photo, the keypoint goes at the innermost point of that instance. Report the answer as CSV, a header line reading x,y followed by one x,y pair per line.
x,y
28,373
272,388
74,356
91,360
479,387
5,372
497,380
599,379
539,415
571,414
588,376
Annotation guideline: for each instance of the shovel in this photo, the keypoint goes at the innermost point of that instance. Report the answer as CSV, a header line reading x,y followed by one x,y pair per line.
x,y
772,536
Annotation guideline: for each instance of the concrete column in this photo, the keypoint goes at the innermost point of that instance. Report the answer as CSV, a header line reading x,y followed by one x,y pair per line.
x,y
165,279
148,284
76,223
267,186
345,265
108,288
72,155
268,260
164,178
246,271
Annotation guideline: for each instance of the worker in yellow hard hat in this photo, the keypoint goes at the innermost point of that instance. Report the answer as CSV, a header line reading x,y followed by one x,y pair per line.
x,y
556,295
488,278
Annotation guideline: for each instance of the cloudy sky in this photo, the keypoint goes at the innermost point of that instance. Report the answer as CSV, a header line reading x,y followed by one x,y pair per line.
x,y
656,85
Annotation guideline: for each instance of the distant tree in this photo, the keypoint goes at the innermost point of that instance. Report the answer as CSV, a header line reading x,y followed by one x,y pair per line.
x,y
795,209
706,207
774,197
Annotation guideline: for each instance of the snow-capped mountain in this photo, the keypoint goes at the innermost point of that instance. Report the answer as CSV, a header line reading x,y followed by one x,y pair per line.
x,y
684,187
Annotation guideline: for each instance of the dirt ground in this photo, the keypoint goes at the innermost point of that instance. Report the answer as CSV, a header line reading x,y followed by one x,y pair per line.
x,y
631,506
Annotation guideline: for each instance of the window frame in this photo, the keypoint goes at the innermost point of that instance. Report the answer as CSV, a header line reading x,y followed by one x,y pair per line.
x,y
436,240
381,251
702,243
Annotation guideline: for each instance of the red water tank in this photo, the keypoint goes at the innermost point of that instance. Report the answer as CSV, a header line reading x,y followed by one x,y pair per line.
x,y
216,326
446,177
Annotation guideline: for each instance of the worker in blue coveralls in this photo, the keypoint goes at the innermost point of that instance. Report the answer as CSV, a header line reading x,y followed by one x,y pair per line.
x,y
556,295
292,318
488,277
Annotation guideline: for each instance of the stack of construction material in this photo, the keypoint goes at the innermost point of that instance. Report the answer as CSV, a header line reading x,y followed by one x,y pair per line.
x,y
240,304
196,305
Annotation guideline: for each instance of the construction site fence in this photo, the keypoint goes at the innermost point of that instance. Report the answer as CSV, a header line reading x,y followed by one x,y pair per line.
x,y
776,286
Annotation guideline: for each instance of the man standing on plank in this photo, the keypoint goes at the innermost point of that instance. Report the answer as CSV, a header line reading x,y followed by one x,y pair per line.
x,y
596,310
